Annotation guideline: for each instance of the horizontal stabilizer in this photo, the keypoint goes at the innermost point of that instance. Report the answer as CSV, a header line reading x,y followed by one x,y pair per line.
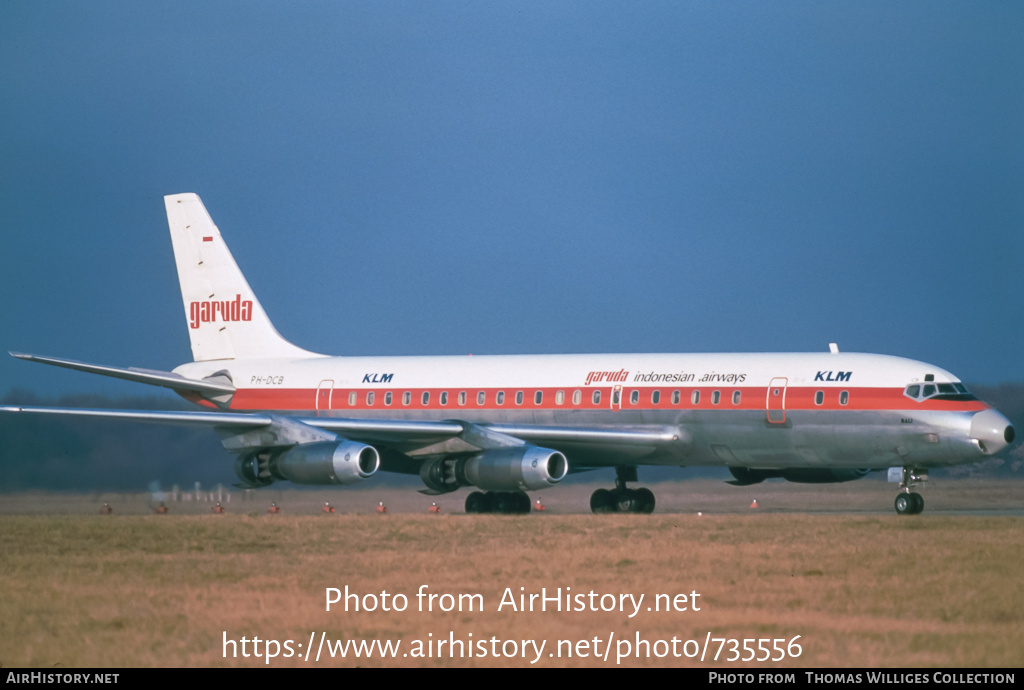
x,y
167,379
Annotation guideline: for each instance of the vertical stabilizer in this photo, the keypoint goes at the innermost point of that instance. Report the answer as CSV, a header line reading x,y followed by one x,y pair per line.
x,y
224,318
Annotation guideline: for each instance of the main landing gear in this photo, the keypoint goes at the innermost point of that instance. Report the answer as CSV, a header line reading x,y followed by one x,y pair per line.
x,y
908,502
621,499
504,502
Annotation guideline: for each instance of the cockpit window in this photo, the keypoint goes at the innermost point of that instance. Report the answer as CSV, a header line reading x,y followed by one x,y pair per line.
x,y
938,391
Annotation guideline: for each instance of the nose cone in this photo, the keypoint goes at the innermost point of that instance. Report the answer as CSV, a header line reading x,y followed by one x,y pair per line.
x,y
991,431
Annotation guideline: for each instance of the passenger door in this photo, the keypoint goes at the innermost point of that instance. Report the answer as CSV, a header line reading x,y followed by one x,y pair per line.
x,y
775,402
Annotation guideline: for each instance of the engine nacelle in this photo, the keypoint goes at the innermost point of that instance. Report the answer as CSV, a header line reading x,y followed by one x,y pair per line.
x,y
800,475
520,468
516,469
324,462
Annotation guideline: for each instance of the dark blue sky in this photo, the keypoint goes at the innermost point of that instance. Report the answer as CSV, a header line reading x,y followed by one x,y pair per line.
x,y
518,177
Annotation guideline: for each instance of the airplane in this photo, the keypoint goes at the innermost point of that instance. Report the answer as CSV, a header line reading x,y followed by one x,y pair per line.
x,y
508,424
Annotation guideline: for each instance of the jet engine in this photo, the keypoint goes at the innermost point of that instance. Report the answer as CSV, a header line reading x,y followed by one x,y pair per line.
x,y
521,468
801,475
325,462
253,470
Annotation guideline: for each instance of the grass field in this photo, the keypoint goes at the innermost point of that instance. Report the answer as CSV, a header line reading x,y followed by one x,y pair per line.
x,y
861,586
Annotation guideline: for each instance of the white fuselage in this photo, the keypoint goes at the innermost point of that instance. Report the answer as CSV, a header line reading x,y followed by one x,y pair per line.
x,y
757,410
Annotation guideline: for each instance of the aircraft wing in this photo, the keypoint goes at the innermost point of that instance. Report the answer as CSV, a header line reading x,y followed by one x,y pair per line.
x,y
208,419
392,432
553,435
409,434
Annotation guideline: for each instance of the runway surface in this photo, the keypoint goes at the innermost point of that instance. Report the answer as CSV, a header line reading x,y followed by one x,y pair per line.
x,y
981,497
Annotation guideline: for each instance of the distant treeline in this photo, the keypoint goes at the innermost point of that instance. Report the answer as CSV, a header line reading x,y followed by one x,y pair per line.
x,y
60,453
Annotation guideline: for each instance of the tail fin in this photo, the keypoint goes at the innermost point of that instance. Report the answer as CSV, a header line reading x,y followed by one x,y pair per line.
x,y
225,320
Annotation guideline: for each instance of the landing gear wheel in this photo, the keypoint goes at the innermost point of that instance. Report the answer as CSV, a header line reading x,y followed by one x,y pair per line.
x,y
903,504
524,504
627,501
601,501
622,500
477,502
504,502
909,504
646,499
918,502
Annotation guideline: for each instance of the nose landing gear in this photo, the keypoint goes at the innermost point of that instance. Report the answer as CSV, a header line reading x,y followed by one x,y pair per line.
x,y
908,502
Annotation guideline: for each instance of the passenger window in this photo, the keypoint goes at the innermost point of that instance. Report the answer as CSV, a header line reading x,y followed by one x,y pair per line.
x,y
462,397
444,397
538,397
715,397
819,397
500,398
577,396
387,398
481,398
735,397
634,397
519,397
369,399
352,399
559,397
675,397
695,397
406,398
616,396
844,397
597,397
426,398
655,397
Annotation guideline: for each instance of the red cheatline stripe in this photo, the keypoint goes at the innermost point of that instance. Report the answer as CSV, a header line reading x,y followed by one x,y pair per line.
x,y
751,398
